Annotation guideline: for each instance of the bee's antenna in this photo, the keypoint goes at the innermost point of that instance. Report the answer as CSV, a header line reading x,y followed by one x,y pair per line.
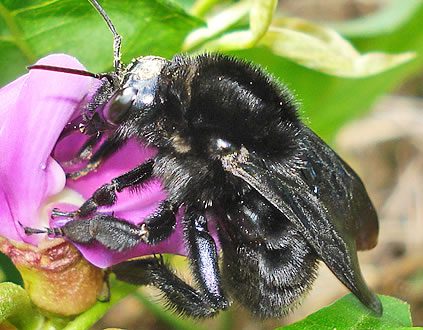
x,y
117,39
72,71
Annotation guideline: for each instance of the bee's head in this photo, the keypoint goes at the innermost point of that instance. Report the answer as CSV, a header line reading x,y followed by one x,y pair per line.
x,y
137,93
128,95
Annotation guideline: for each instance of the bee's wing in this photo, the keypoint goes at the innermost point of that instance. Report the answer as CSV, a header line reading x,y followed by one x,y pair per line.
x,y
325,200
341,191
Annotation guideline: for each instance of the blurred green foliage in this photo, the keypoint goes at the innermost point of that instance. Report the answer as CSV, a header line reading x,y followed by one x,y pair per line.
x,y
16,308
30,29
8,272
348,313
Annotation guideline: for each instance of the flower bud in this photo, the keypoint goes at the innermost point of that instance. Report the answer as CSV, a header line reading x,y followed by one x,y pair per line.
x,y
57,278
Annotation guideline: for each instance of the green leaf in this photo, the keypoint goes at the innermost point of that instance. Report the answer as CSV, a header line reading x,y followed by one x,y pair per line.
x,y
260,16
217,24
388,19
16,308
201,7
323,49
349,313
408,37
301,41
9,271
31,29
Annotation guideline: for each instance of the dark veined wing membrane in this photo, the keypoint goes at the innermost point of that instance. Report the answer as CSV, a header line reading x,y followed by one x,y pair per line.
x,y
325,200
341,191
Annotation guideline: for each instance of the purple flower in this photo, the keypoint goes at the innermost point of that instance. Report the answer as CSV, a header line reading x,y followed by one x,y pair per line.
x,y
34,110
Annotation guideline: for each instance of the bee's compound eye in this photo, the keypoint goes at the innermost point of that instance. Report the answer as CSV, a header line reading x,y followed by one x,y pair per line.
x,y
119,105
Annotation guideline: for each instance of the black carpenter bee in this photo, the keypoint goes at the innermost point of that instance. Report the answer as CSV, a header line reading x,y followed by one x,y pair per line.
x,y
230,144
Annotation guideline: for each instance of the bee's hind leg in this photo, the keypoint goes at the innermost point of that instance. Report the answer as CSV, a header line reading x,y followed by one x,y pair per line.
x,y
206,301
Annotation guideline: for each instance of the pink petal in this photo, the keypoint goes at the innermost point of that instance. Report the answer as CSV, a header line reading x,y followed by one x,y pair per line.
x,y
35,118
127,158
8,96
133,206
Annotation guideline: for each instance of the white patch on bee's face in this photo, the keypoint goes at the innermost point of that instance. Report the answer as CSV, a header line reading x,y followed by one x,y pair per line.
x,y
142,79
149,67
147,99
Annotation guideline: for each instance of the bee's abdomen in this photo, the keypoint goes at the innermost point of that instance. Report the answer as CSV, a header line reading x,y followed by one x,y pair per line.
x,y
267,264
